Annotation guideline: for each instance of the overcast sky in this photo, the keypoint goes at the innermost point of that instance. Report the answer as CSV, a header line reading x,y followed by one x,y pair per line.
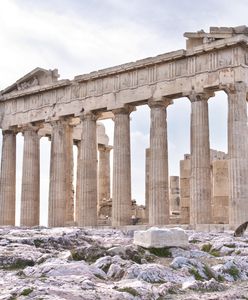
x,y
82,36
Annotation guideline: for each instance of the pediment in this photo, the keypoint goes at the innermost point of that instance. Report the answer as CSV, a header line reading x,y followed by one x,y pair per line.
x,y
37,77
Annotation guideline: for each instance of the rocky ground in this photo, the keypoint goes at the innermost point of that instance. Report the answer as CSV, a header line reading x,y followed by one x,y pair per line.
x,y
72,263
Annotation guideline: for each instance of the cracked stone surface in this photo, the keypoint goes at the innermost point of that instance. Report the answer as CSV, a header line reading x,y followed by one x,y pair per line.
x,y
77,263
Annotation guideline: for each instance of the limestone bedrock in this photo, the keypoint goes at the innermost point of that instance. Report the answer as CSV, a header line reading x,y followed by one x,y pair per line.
x,y
160,237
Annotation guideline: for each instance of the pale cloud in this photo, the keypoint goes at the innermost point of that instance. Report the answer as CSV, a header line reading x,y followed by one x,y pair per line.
x,y
74,45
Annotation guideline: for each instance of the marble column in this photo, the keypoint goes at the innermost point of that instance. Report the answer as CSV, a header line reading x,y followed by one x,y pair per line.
x,y
237,154
200,181
103,173
78,181
60,200
185,173
121,203
8,178
30,195
158,164
69,208
147,158
87,202
174,195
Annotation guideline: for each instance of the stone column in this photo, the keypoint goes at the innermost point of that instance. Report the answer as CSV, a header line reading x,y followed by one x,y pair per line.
x,y
158,164
60,206
8,178
147,157
104,173
237,154
30,195
87,202
185,173
200,182
220,190
78,181
121,203
69,209
174,195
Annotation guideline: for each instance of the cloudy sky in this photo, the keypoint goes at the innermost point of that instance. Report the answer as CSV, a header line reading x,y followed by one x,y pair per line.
x,y
82,36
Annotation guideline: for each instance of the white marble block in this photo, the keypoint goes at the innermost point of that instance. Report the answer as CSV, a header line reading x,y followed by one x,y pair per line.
x,y
161,237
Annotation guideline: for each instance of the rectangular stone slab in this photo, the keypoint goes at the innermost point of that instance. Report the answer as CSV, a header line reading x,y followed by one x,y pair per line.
x,y
161,237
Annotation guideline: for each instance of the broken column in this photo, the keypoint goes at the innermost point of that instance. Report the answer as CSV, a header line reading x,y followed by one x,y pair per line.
x,y
103,173
185,171
220,191
174,195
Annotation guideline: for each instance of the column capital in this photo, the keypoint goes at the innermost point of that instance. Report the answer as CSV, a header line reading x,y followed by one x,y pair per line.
x,y
104,148
9,131
89,115
199,96
61,121
235,87
127,109
159,102
30,127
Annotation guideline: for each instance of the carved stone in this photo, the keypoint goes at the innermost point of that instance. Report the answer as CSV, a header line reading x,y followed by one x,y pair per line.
x,y
30,196
185,173
121,204
60,175
237,153
200,185
87,201
212,61
103,173
8,179
158,165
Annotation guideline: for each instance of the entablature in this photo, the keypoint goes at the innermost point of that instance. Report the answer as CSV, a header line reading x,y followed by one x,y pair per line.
x,y
172,75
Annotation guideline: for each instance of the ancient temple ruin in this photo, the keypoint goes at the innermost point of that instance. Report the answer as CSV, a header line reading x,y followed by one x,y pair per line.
x,y
41,104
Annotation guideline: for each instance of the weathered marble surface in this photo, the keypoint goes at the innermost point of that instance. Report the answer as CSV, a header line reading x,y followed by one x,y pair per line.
x,y
160,238
72,263
209,64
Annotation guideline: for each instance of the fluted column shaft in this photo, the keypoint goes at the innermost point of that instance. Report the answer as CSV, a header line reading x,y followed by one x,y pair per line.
x,y
158,165
121,203
78,181
200,181
60,174
69,208
238,154
30,195
8,179
147,159
87,202
104,173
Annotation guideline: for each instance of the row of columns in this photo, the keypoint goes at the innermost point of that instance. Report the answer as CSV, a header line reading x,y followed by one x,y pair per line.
x,y
60,192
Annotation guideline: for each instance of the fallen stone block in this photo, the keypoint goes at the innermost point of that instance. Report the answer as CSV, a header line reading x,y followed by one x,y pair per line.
x,y
161,237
